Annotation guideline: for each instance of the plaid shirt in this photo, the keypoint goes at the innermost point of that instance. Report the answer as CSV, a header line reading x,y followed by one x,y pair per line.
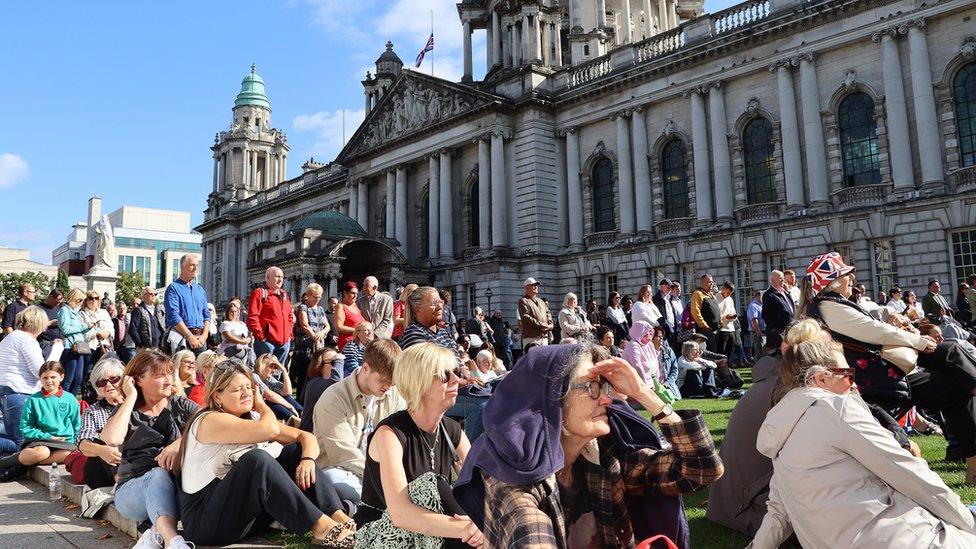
x,y
94,419
532,516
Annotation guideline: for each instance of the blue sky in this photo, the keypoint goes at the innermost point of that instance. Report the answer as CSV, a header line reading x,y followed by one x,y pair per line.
x,y
122,99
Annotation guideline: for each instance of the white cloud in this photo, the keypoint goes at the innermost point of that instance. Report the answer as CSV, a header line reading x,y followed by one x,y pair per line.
x,y
326,126
13,168
40,242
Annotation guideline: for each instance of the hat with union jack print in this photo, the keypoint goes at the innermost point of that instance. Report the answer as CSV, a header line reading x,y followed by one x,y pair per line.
x,y
825,269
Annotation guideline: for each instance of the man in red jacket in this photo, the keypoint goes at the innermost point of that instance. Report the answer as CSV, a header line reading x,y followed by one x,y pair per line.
x,y
270,317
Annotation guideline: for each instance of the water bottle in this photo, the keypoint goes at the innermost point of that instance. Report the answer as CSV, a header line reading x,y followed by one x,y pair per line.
x,y
54,483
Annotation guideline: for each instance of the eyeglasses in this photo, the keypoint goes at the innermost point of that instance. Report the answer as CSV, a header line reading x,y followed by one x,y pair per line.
x,y
444,375
846,372
594,388
108,380
436,304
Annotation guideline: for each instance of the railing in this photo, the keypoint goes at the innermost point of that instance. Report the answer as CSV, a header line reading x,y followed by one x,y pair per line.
x,y
861,195
589,71
674,226
759,212
661,44
740,16
963,179
604,238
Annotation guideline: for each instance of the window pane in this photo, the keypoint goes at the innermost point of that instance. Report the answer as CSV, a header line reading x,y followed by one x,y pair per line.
x,y
858,140
603,196
674,174
964,93
964,255
757,152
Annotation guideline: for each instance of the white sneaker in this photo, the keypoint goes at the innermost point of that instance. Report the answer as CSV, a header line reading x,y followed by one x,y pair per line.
x,y
179,543
725,392
150,539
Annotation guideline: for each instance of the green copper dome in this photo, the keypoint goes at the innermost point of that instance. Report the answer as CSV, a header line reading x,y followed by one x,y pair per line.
x,y
252,91
333,224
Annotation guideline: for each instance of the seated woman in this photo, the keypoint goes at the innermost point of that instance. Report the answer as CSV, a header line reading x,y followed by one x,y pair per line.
x,y
556,469
406,500
640,353
236,339
185,377
667,362
274,389
103,460
147,427
484,368
354,349
605,338
839,478
696,375
49,422
242,469
318,379
204,366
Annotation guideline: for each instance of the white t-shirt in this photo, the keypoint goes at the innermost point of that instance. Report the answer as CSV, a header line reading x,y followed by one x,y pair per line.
x,y
205,462
726,307
648,312
20,360
370,402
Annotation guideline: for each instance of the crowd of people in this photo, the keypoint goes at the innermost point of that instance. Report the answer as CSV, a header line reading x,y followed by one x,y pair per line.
x,y
365,420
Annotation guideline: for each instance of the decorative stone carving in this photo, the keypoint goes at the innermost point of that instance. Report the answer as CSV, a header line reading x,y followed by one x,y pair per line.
x,y
752,107
599,148
850,80
968,47
669,129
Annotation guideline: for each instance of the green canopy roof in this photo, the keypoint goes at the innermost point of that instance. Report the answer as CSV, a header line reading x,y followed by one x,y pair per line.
x,y
331,223
252,91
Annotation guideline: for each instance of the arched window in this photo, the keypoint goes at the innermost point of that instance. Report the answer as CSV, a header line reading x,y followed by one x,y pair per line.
x,y
859,140
964,93
757,153
474,216
603,196
674,174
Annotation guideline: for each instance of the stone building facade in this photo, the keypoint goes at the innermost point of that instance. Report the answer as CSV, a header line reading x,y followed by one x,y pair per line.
x,y
614,142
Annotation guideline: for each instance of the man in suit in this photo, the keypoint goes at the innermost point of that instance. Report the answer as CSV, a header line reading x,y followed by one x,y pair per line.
x,y
662,300
777,309
934,304
376,308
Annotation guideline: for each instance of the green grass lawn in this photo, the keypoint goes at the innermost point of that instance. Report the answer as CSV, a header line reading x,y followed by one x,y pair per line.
x,y
709,535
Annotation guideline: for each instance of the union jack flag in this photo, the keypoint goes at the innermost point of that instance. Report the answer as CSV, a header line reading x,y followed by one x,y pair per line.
x,y
427,48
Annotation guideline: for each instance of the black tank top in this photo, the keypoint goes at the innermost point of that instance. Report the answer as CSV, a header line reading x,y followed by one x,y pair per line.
x,y
416,459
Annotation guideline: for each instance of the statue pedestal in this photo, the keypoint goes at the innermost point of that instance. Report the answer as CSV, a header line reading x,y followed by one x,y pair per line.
x,y
101,280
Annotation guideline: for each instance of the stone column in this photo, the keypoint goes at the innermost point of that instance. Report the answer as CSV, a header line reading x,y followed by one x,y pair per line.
x,y
434,206
466,25
545,43
362,204
446,209
400,219
489,63
499,206
484,191
575,15
642,175
648,20
627,36
926,120
391,204
537,37
722,165
574,189
813,136
557,42
496,42
284,166
699,136
506,59
789,129
899,147
625,174
368,104
333,287
516,44
216,172
254,170
353,199
601,14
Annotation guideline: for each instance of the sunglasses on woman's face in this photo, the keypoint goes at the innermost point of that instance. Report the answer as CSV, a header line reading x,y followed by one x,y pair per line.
x,y
846,372
107,380
444,376
594,388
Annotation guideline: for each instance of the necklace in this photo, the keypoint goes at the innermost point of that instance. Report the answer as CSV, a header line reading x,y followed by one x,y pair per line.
x,y
423,437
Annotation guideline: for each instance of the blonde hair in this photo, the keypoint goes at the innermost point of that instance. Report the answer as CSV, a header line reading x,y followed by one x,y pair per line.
x,y
206,362
216,382
810,351
407,290
314,288
32,320
416,369
178,357
74,294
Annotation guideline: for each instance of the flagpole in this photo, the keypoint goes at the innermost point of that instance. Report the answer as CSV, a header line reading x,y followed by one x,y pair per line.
x,y
432,34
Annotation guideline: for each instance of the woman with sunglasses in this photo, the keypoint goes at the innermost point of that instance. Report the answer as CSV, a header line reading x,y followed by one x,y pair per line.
x,y
839,478
558,456
103,460
406,499
74,330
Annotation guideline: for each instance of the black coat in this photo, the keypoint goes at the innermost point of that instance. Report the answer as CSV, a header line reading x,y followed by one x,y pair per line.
x,y
777,313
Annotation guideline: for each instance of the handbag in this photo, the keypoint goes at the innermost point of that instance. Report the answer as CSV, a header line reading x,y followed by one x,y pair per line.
x,y
81,348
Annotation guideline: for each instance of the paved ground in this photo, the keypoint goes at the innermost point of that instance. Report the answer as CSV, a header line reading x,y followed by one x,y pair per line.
x,y
29,520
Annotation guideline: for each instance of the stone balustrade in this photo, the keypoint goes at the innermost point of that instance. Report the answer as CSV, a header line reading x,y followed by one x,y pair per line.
x,y
758,213
739,16
674,226
861,196
963,179
589,71
660,44
601,239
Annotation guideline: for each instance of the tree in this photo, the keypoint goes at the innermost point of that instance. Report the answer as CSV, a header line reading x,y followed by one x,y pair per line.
x,y
62,283
10,285
128,287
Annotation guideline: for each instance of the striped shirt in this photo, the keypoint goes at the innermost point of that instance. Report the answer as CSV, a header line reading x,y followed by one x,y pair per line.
x,y
94,419
416,333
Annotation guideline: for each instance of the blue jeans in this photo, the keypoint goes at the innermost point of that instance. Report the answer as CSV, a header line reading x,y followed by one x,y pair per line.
x,y
148,497
348,485
279,351
74,371
12,404
472,409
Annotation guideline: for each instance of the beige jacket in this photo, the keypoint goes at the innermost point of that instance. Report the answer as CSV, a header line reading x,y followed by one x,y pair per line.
x,y
536,319
841,480
339,418
864,328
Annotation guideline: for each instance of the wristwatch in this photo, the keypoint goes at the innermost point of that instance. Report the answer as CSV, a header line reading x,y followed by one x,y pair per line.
x,y
665,412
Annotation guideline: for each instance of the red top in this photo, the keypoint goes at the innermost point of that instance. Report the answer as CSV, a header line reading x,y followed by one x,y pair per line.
x,y
353,317
270,317
198,394
399,308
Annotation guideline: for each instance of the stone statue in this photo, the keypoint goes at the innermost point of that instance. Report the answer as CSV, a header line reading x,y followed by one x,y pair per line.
x,y
104,244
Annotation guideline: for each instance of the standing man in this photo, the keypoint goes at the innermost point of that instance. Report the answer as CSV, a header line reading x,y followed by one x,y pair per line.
x,y
51,305
270,317
25,297
757,327
934,304
187,316
789,278
377,308
662,300
704,311
777,309
122,342
726,311
534,315
677,304
143,328
448,317
332,339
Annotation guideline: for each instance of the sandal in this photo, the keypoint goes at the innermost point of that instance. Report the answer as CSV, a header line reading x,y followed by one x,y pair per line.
x,y
350,525
332,538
